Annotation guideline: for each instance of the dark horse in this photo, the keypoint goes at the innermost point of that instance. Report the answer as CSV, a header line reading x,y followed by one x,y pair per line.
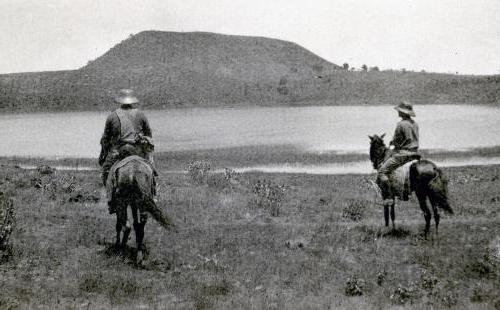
x,y
426,180
134,188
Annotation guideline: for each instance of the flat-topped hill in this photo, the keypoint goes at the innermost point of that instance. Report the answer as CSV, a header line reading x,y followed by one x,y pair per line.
x,y
169,69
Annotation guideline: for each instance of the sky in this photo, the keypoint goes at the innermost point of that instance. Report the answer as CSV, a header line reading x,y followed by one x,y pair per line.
x,y
437,36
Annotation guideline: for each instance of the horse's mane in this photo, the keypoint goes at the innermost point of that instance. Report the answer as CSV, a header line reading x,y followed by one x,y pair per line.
x,y
378,150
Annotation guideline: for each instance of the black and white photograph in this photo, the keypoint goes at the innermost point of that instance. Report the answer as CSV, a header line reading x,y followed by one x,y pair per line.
x,y
264,154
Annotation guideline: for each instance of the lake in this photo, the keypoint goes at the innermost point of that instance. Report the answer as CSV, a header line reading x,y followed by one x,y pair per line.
x,y
342,129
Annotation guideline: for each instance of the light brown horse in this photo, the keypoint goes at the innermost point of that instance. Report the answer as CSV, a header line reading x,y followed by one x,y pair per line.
x,y
134,189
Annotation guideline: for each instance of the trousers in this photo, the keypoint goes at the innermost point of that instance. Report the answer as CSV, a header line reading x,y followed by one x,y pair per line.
x,y
394,161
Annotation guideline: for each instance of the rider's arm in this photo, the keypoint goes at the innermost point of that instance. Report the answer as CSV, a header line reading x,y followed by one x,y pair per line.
x,y
399,136
146,130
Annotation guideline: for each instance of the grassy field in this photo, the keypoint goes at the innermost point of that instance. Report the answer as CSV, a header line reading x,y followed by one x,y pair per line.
x,y
326,248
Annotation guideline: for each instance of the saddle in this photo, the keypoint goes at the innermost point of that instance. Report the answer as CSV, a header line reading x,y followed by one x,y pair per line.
x,y
400,181
111,181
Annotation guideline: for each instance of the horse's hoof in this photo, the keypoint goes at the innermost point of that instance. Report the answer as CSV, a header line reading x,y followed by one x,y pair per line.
x,y
140,259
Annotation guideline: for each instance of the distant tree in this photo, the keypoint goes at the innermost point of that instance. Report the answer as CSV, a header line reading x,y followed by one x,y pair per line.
x,y
353,69
374,69
403,70
422,71
364,67
345,66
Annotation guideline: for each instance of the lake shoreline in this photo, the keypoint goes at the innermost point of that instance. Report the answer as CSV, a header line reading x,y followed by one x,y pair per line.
x,y
251,157
238,105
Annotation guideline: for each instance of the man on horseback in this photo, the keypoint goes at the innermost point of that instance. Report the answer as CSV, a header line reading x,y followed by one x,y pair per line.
x,y
405,142
126,132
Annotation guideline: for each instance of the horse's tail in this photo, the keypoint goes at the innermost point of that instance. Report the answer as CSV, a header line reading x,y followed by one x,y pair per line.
x,y
151,207
438,191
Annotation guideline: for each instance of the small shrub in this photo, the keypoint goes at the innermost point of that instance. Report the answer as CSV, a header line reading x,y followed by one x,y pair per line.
x,y
381,276
354,210
45,170
354,286
402,294
428,282
479,294
6,221
449,298
198,171
221,181
269,195
482,266
8,303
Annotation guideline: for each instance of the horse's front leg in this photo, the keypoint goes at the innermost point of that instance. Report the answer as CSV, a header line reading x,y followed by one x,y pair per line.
x,y
422,201
389,211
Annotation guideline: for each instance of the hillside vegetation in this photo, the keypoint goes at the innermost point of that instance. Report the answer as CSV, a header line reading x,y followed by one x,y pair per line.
x,y
169,69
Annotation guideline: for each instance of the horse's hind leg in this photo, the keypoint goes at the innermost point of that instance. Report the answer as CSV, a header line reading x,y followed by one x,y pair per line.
x,y
126,234
386,215
393,215
435,211
140,219
121,220
422,200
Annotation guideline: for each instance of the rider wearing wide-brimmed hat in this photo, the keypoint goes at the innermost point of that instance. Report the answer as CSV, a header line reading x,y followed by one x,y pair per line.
x,y
125,132
405,142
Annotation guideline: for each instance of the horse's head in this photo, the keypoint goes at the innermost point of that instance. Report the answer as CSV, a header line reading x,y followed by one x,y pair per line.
x,y
377,150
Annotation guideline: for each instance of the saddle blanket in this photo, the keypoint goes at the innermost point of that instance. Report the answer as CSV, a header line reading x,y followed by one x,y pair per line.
x,y
400,181
111,181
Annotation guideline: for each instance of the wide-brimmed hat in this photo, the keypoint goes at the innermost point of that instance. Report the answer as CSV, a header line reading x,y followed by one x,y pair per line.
x,y
126,96
406,108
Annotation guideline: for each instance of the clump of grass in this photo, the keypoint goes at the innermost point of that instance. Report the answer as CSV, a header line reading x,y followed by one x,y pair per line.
x,y
7,222
354,286
198,171
354,210
221,181
482,266
404,294
479,294
428,281
204,293
381,277
449,298
8,303
118,288
268,195
45,170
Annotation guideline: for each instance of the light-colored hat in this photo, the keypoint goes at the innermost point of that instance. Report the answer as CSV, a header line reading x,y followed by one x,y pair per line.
x,y
126,96
406,108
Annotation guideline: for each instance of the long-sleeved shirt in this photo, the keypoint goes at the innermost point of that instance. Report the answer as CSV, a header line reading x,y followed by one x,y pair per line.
x,y
113,135
406,136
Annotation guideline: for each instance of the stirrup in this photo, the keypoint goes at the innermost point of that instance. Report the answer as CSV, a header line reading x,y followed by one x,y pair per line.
x,y
388,202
